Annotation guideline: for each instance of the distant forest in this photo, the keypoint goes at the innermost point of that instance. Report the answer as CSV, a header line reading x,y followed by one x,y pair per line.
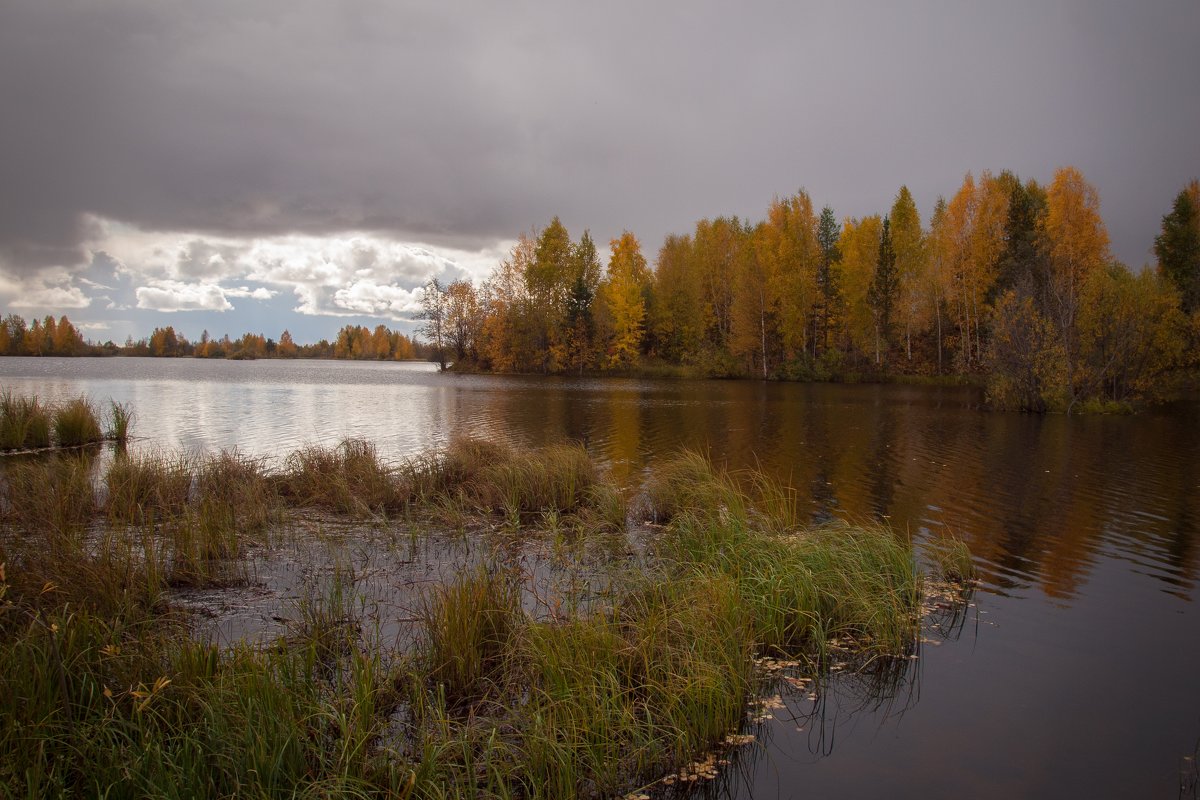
x,y
50,337
1011,285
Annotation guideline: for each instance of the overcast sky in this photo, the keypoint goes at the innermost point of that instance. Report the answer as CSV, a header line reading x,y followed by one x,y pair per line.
x,y
253,166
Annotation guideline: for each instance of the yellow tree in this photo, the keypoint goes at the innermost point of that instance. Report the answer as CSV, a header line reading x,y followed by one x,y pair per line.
x,y
987,242
790,255
677,313
287,345
463,318
624,303
1131,331
504,338
1076,242
752,322
859,247
912,267
716,243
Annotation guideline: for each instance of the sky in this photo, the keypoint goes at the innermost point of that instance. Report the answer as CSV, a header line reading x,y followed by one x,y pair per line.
x,y
291,164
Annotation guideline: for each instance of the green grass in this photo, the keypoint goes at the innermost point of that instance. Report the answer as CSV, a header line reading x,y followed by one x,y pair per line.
x,y
121,416
952,559
103,693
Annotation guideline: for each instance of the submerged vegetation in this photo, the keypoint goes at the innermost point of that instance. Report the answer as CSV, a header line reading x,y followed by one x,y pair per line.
x,y
500,688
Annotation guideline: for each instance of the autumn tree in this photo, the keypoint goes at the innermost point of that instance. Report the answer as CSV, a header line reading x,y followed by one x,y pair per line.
x,y
507,338
287,345
940,248
908,242
788,249
1076,244
624,303
463,318
1025,357
677,314
859,249
1130,335
434,305
1178,247
548,279
753,311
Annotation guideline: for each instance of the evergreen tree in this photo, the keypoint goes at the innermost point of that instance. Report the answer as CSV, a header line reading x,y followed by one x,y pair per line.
x,y
828,285
881,295
1178,247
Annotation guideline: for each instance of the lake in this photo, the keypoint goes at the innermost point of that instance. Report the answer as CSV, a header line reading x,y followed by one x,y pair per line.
x,y
1075,673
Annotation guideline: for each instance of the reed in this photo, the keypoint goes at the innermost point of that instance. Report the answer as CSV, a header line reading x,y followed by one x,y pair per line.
x,y
469,625
147,486
24,423
236,493
75,424
952,559
121,420
349,478
689,482
51,493
555,478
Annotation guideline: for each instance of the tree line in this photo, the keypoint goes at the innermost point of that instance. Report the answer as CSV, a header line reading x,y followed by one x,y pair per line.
x,y
1011,283
60,337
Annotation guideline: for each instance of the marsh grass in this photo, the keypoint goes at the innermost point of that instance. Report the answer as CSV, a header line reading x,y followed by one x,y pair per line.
x,y
76,424
52,493
236,493
952,559
24,423
103,693
147,486
121,420
349,478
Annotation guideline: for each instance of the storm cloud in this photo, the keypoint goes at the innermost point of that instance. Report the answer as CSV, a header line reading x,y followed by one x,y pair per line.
x,y
242,127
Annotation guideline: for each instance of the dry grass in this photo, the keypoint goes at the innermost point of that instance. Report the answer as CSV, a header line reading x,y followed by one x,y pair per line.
x,y
147,486
349,478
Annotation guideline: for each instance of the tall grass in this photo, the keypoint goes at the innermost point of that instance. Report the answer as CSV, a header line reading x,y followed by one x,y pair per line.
x,y
349,478
147,486
52,494
121,417
952,559
75,424
24,423
236,493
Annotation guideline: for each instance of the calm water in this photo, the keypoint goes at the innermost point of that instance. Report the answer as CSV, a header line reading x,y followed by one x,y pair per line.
x,y
1078,674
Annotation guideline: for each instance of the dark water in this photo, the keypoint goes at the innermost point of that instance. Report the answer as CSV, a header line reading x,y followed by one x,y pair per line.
x,y
1078,672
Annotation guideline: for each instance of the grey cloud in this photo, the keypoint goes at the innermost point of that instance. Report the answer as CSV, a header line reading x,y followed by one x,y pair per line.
x,y
459,125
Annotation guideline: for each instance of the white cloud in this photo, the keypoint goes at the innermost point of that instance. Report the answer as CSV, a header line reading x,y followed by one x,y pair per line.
x,y
371,299
178,296
260,293
350,274
51,297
